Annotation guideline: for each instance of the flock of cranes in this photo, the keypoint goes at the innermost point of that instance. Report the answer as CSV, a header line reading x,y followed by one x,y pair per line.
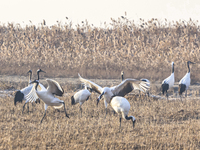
x,y
114,96
184,83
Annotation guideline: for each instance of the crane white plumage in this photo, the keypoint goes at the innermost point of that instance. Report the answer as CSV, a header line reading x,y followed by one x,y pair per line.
x,y
122,89
47,96
120,106
184,83
20,94
80,97
168,83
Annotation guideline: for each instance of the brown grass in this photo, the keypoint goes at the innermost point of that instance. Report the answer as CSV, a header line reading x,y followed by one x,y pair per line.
x,y
141,50
160,125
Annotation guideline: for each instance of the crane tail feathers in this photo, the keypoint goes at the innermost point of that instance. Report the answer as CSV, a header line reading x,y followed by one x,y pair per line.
x,y
165,87
181,88
19,96
72,100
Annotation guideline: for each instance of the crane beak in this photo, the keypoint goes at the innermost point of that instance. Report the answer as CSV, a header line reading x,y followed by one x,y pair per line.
x,y
42,71
190,62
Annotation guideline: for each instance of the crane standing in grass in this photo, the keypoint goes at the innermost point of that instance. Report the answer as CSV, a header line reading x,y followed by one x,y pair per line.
x,y
184,83
168,82
20,94
47,96
80,97
119,104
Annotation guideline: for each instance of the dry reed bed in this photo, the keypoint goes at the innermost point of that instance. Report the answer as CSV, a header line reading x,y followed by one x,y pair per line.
x,y
63,51
160,125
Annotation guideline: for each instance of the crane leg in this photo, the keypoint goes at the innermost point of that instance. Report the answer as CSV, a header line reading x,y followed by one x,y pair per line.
x,y
186,93
23,108
43,116
81,111
120,120
181,98
106,112
167,95
28,107
114,112
65,110
32,107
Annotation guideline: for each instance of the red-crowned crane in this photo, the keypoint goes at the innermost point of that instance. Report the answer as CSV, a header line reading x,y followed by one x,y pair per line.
x,y
184,83
168,83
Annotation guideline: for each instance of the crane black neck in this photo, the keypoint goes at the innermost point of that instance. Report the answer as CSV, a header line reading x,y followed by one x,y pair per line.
x,y
37,83
173,68
38,75
188,67
30,75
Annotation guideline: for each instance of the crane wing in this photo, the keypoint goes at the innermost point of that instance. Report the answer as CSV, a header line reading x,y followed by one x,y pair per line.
x,y
54,87
91,85
32,95
27,89
128,85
